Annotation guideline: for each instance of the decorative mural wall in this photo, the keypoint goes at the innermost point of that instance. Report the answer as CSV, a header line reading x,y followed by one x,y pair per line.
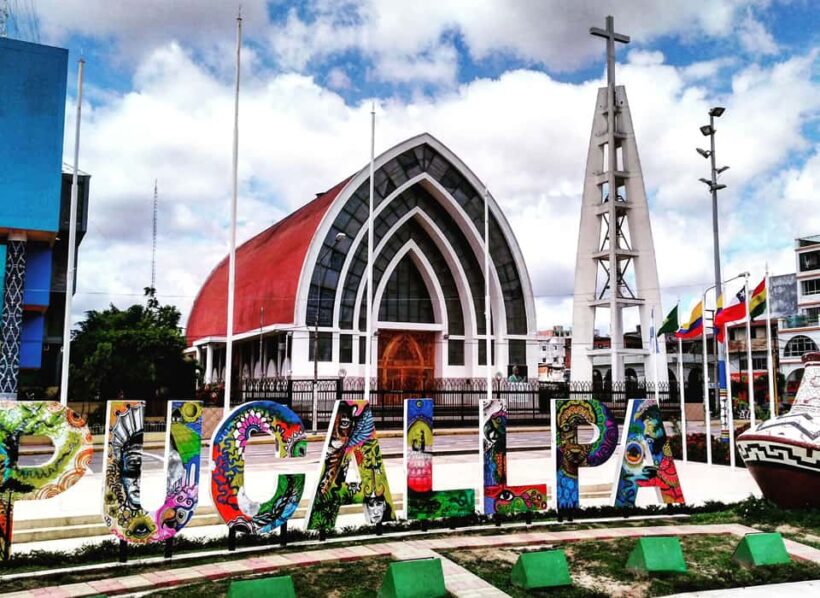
x,y
352,433
571,454
122,505
229,444
11,321
645,437
422,501
499,497
72,455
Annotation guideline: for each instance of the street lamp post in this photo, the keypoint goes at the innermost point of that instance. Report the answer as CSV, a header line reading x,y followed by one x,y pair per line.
x,y
320,263
709,131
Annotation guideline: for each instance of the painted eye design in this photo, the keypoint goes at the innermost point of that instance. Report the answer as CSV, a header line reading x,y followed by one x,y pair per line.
x,y
506,496
634,453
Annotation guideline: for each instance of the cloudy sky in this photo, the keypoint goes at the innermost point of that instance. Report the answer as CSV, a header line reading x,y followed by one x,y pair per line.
x,y
509,85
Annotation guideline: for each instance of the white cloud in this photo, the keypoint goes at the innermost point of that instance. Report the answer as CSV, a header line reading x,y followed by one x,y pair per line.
x,y
338,79
421,33
524,134
755,39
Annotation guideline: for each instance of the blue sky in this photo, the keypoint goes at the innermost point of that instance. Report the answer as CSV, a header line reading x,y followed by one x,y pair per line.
x,y
509,85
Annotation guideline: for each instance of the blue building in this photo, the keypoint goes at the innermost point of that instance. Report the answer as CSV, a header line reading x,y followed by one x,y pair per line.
x,y
34,208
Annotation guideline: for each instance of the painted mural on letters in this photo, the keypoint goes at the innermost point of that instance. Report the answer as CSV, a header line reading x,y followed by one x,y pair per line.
x,y
122,504
645,436
352,433
571,454
499,497
72,455
230,441
422,501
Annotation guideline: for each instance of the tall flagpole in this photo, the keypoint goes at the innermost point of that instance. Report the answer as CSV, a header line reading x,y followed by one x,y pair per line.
x,y
487,321
232,258
368,351
655,356
72,241
750,383
707,414
681,392
769,357
730,415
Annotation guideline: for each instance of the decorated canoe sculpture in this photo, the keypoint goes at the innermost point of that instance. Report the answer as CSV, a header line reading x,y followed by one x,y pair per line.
x,y
783,453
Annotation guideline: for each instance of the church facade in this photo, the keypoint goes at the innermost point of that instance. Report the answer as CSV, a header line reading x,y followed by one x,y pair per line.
x,y
309,272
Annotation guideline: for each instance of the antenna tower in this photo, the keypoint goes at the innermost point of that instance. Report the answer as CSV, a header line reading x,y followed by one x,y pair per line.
x,y
154,241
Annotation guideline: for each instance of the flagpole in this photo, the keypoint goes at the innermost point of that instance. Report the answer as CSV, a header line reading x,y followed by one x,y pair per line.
x,y
232,258
368,367
487,322
655,357
707,414
682,397
72,241
730,416
750,383
769,358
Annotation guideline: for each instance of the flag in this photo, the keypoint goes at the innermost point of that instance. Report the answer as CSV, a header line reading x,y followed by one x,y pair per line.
x,y
757,302
694,327
670,323
731,313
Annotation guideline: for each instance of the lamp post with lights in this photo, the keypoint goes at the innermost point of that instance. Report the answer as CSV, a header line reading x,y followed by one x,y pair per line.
x,y
709,131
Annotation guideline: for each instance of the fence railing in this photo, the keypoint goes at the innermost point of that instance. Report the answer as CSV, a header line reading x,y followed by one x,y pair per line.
x,y
457,405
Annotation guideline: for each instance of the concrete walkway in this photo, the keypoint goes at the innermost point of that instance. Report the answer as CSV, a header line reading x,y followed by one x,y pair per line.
x,y
458,580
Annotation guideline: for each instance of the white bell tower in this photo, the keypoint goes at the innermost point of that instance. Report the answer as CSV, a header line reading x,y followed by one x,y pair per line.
x,y
615,264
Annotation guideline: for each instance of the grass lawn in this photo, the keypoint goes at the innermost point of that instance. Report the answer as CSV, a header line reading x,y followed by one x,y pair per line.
x,y
360,579
598,569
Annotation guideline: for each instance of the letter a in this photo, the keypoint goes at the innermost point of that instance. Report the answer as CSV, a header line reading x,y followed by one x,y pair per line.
x,y
352,433
645,436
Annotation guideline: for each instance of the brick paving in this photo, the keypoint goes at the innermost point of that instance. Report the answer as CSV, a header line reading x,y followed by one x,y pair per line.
x,y
458,580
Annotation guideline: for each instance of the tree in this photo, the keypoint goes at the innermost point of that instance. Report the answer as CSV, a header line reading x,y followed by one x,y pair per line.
x,y
135,353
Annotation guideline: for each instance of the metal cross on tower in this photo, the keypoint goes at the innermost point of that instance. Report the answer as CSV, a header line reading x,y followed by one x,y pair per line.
x,y
611,37
615,234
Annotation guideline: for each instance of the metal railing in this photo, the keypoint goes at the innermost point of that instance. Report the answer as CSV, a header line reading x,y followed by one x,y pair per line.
x,y
457,402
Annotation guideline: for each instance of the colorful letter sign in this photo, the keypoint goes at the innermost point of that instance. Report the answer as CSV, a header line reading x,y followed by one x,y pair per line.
x,y
230,442
72,455
122,505
498,496
645,436
422,501
572,454
352,433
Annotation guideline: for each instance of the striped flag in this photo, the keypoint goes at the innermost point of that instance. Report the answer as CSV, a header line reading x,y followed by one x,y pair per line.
x,y
757,303
694,327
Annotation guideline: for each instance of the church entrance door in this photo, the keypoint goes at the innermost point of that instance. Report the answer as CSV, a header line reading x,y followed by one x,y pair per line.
x,y
406,359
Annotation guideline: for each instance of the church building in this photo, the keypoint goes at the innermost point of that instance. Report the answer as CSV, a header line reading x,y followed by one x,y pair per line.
x,y
309,271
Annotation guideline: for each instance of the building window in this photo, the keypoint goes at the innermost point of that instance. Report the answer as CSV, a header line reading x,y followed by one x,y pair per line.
x,y
325,345
482,351
518,352
810,287
810,261
759,363
362,349
345,348
405,298
455,351
799,345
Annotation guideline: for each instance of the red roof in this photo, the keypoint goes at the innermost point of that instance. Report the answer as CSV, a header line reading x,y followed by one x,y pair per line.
x,y
268,268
